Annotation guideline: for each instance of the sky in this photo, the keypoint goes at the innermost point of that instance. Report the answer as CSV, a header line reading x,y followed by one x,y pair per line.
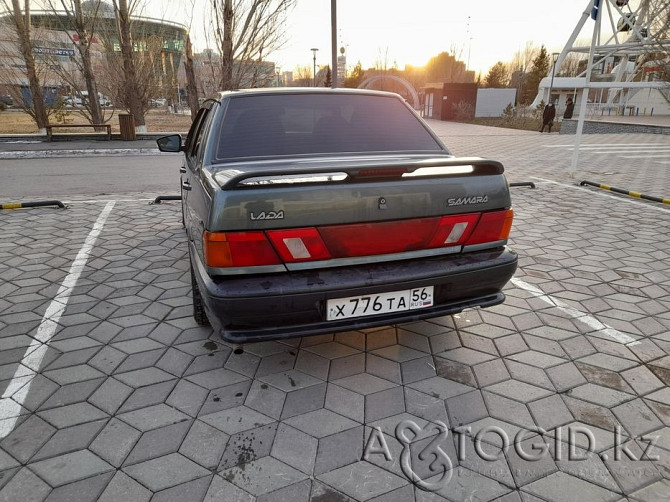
x,y
482,32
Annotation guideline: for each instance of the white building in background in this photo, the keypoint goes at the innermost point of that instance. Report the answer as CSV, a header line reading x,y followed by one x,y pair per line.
x,y
492,102
606,98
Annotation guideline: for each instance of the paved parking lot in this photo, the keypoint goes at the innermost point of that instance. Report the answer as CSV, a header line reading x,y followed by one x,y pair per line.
x,y
112,392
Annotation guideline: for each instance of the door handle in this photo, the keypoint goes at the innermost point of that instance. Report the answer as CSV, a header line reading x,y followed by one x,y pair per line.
x,y
186,186
182,170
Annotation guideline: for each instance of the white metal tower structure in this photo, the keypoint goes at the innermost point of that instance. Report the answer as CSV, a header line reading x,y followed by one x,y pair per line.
x,y
630,46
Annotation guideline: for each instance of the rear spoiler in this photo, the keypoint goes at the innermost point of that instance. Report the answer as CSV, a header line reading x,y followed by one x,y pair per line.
x,y
352,173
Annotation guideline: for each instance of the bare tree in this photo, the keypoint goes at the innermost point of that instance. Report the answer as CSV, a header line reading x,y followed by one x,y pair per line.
x,y
20,19
382,61
70,15
189,69
523,58
210,74
123,11
658,54
456,50
245,32
302,76
191,86
572,65
153,74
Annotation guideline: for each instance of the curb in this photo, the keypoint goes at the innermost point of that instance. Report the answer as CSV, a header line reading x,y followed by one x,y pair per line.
x,y
636,195
91,152
65,137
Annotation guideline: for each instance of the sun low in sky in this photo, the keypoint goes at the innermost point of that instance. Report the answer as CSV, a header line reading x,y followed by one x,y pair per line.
x,y
480,32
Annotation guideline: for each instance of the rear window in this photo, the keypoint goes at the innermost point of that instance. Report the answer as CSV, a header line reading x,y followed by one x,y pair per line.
x,y
301,124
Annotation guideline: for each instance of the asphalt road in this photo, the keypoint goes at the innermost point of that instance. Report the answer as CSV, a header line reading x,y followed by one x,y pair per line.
x,y
56,178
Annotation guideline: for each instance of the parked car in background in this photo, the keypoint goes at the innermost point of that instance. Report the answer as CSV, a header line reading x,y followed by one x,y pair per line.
x,y
102,99
156,103
6,100
312,211
73,101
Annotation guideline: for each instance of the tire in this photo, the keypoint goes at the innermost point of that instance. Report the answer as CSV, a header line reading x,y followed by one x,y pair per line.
x,y
199,313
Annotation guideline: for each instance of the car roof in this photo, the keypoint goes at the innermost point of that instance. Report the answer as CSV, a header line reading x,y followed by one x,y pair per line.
x,y
304,90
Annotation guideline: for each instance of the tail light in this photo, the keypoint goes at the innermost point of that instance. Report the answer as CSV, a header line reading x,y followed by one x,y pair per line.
x,y
274,247
492,227
238,249
378,238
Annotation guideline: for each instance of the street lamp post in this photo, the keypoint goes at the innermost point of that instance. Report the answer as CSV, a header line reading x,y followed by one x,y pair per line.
x,y
554,57
314,58
333,43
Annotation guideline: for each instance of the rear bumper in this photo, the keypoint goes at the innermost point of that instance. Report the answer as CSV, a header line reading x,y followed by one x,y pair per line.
x,y
286,305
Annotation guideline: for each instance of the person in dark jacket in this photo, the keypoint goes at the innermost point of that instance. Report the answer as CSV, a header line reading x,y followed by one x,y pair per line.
x,y
548,117
569,109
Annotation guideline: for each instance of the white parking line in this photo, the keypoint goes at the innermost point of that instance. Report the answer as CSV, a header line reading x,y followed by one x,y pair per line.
x,y
645,156
587,319
607,195
16,392
663,152
624,150
615,145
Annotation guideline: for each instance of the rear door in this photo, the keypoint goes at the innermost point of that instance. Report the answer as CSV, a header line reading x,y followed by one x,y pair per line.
x,y
193,150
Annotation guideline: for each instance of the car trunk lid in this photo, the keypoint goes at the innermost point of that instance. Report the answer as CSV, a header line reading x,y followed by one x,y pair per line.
x,y
354,190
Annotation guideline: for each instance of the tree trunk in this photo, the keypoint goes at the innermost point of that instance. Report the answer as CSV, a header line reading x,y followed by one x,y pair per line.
x,y
129,73
227,47
191,87
84,47
91,84
23,26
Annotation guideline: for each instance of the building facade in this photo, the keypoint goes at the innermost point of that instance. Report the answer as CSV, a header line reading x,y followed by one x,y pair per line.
x,y
157,43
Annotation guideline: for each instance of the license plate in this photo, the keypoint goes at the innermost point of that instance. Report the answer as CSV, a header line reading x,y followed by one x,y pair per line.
x,y
383,303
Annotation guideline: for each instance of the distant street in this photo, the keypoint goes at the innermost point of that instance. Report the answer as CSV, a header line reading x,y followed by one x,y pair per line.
x,y
93,176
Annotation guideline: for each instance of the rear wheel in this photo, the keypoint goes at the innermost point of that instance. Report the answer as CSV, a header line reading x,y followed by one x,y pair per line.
x,y
199,313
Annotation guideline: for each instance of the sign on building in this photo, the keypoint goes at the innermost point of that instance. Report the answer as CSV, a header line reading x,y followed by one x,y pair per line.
x,y
53,52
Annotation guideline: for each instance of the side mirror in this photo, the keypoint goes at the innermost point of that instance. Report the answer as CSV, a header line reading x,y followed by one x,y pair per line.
x,y
170,143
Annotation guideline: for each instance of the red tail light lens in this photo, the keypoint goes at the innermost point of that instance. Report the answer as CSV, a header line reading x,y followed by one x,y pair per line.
x,y
299,244
378,238
492,227
274,247
238,249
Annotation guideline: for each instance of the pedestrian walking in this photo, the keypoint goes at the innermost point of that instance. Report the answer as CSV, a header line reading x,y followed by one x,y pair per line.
x,y
548,117
569,109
